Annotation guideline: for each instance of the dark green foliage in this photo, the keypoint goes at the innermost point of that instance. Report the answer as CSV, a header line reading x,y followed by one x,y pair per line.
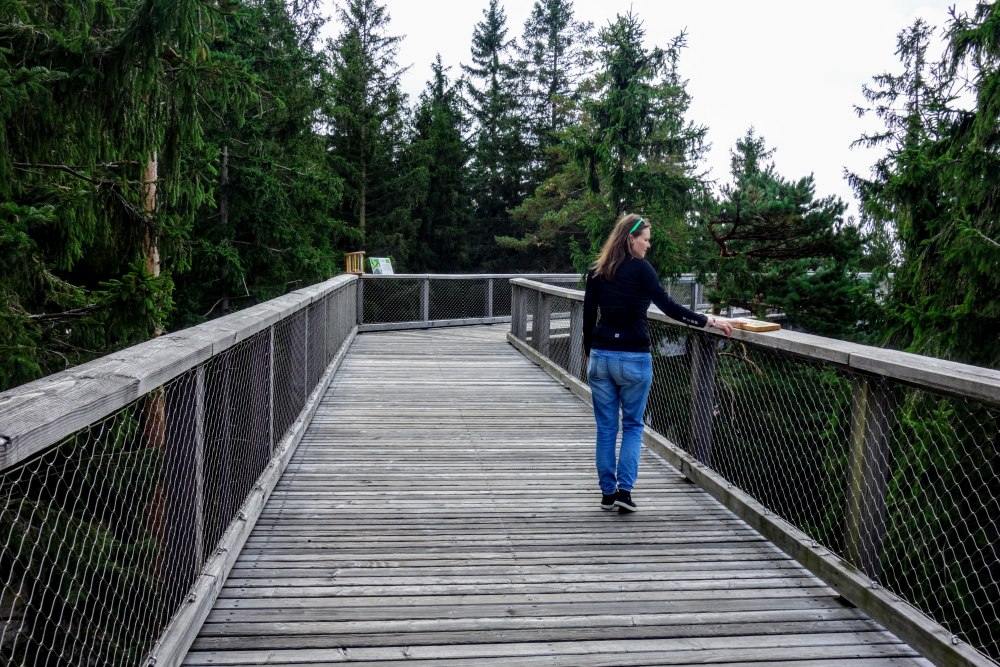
x,y
90,94
635,142
632,149
781,249
272,224
445,210
501,159
551,221
367,130
936,187
555,53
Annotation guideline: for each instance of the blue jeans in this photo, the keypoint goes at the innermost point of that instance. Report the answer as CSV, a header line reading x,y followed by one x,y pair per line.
x,y
619,381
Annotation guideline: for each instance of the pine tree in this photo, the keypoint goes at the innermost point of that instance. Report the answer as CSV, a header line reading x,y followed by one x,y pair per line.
x,y
501,159
782,249
439,148
367,120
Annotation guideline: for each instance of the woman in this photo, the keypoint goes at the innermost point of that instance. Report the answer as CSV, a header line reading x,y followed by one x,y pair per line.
x,y
620,285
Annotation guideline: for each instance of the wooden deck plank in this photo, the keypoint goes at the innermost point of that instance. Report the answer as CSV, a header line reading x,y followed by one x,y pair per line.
x,y
443,507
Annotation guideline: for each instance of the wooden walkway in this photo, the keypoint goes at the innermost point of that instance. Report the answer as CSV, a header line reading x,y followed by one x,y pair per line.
x,y
443,508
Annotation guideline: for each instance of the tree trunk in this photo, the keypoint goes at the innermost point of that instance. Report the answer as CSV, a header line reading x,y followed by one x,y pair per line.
x,y
224,210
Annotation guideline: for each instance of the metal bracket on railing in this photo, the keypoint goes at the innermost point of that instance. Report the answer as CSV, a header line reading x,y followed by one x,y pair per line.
x,y
4,441
150,661
192,597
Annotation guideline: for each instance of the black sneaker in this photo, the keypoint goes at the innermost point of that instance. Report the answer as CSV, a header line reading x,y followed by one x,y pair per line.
x,y
624,501
607,501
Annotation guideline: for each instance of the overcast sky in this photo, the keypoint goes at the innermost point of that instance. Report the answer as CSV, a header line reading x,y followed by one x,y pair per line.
x,y
793,69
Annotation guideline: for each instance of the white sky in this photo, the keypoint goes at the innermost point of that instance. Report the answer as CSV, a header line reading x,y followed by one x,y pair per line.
x,y
793,69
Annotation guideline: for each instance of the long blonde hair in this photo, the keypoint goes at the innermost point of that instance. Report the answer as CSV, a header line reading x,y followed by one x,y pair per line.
x,y
615,248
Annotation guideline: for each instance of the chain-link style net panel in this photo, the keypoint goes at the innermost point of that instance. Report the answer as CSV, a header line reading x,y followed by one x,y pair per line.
x,y
315,343
899,482
289,371
333,306
90,574
683,292
942,540
392,300
457,299
502,297
774,426
103,534
559,333
238,437
530,309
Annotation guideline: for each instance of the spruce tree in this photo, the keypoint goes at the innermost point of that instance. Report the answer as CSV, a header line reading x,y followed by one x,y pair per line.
x,y
445,209
501,159
640,151
92,96
367,119
273,223
554,55
934,187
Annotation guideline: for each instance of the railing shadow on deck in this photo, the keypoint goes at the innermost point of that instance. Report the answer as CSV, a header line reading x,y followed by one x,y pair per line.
x,y
129,484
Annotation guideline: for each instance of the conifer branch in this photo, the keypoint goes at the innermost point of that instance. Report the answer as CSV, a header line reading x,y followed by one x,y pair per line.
x,y
66,314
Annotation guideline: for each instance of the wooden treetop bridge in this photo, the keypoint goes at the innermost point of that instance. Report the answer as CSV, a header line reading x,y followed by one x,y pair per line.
x,y
340,476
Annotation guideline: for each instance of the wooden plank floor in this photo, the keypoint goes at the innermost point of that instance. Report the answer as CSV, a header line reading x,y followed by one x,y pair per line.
x,y
443,508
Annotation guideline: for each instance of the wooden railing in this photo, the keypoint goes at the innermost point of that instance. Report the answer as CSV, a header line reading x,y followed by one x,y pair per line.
x,y
420,301
868,427
129,484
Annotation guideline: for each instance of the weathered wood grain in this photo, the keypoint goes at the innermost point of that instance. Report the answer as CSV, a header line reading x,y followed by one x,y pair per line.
x,y
443,507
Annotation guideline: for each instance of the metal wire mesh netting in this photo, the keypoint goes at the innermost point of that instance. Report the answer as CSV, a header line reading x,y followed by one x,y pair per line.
x,y
912,502
104,533
899,481
91,551
442,298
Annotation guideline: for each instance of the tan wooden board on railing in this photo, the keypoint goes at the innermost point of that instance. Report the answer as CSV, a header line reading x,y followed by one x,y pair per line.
x,y
754,325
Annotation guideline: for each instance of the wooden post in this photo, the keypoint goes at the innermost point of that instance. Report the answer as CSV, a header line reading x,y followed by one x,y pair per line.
x,y
872,411
489,297
576,354
542,323
184,485
702,394
425,300
270,387
305,355
519,312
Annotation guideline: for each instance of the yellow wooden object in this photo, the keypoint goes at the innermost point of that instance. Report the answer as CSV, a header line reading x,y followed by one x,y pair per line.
x,y
754,325
355,262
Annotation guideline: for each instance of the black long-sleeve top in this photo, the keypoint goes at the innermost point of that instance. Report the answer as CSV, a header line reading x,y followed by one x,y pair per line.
x,y
622,303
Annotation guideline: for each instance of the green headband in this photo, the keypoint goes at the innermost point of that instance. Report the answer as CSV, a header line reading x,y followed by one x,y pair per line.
x,y
636,226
